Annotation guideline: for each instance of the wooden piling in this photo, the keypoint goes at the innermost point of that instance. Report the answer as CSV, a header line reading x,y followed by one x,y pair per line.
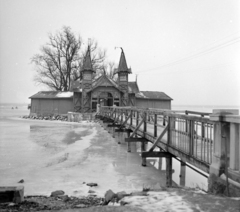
x,y
144,159
168,171
182,175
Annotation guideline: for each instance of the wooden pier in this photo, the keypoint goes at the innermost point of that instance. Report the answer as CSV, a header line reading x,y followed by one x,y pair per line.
x,y
194,138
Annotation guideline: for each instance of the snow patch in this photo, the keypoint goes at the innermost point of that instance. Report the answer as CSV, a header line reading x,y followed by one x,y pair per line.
x,y
65,94
159,201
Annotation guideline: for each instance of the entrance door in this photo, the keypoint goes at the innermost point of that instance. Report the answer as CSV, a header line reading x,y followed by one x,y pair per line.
x,y
106,99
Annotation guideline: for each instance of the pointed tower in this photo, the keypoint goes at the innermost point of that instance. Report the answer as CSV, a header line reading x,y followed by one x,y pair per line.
x,y
123,72
87,77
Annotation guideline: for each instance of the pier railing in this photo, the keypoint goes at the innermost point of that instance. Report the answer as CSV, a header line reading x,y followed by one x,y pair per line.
x,y
201,139
188,137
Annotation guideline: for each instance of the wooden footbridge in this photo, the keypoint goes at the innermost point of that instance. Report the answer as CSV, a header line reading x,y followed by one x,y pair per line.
x,y
197,139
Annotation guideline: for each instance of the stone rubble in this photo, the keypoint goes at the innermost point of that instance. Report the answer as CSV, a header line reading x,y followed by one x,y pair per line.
x,y
50,118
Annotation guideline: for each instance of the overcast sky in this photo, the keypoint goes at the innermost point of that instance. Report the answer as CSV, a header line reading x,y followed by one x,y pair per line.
x,y
189,49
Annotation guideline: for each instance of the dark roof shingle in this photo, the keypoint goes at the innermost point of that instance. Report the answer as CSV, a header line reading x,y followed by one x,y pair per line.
x,y
133,87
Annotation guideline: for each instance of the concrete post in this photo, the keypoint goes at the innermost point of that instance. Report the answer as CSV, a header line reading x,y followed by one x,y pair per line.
x,y
221,135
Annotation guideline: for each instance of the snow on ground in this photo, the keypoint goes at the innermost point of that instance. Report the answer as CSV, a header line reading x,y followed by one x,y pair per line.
x,y
159,201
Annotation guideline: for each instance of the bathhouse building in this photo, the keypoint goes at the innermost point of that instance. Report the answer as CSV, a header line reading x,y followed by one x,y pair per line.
x,y
87,93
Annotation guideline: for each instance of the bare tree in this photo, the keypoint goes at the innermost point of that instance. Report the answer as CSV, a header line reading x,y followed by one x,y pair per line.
x,y
61,59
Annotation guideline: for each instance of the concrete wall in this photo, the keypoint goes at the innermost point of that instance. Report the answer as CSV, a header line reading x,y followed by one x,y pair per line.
x,y
150,103
51,106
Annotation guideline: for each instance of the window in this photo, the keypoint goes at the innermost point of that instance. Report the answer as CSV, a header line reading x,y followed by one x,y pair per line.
x,y
123,78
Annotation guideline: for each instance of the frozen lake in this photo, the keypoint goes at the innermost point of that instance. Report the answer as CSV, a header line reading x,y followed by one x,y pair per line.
x,y
52,155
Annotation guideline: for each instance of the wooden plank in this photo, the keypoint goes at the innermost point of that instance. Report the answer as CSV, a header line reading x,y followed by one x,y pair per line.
x,y
156,155
159,138
136,140
108,121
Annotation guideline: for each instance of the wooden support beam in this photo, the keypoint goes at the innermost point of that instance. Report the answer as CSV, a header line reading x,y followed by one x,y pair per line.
x,y
136,140
108,121
114,125
156,155
123,130
159,138
125,122
136,129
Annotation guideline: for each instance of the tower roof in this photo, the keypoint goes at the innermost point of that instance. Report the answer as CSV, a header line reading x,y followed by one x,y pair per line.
x,y
122,67
87,63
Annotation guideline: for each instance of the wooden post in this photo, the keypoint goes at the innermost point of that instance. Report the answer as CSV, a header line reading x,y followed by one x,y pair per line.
x,y
155,125
164,121
160,161
145,123
182,175
113,132
120,135
169,137
168,171
191,140
137,118
131,117
143,148
128,143
186,124
203,129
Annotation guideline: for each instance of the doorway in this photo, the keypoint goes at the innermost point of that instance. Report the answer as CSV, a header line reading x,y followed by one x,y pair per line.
x,y
105,99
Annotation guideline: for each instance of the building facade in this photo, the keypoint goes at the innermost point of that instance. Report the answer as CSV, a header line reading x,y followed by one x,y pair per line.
x,y
87,93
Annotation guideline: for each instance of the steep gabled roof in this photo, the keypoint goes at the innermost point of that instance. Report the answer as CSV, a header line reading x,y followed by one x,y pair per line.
x,y
133,87
52,95
87,63
104,80
153,95
122,67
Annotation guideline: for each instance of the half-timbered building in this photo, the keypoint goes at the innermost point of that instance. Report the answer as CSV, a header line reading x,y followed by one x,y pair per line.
x,y
86,94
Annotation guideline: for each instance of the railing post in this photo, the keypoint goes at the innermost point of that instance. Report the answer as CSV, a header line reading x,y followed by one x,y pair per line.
x,y
203,129
169,135
128,143
145,123
137,121
143,144
131,113
186,124
155,125
191,137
